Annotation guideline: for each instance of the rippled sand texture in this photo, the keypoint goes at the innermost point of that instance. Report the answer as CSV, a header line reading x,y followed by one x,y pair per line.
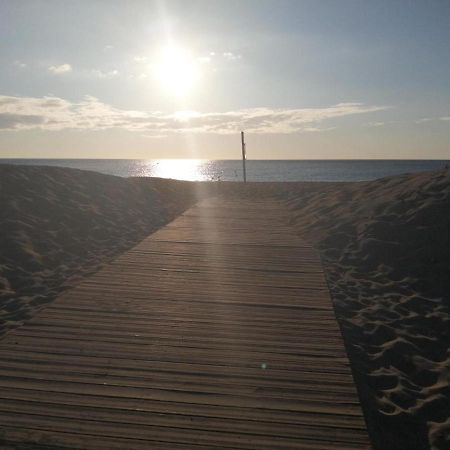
x,y
386,245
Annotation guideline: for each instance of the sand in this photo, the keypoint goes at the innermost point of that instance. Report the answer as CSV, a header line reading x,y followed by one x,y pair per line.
x,y
58,225
386,249
384,245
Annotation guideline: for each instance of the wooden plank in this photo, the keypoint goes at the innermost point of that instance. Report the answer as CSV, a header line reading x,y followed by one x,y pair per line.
x,y
299,418
217,331
170,368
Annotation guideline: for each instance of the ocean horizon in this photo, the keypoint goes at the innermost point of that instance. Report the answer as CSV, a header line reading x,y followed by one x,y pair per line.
x,y
231,170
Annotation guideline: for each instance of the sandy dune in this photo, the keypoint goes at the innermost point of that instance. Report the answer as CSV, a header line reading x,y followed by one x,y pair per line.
x,y
57,225
385,245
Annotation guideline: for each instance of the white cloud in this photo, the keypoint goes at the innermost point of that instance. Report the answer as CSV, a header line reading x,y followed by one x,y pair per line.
x,y
433,119
20,64
106,48
140,59
59,70
375,124
231,56
53,113
101,74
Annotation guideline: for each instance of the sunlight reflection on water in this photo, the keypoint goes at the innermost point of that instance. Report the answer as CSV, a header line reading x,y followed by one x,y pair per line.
x,y
179,169
231,170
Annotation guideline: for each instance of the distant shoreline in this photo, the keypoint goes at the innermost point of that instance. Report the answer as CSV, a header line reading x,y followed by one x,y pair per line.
x,y
257,170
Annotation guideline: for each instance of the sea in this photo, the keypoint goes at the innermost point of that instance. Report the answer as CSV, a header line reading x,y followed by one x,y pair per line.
x,y
232,170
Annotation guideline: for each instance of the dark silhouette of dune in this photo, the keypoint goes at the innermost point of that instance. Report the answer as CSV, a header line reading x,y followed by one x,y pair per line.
x,y
386,247
58,225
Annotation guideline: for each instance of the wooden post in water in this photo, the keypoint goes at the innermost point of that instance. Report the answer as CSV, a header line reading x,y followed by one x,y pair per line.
x,y
243,157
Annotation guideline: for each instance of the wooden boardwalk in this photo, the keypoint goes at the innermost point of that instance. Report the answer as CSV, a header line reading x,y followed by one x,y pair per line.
x,y
216,332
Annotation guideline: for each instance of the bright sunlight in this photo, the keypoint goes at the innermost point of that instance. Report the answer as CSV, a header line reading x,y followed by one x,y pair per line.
x,y
177,70
179,169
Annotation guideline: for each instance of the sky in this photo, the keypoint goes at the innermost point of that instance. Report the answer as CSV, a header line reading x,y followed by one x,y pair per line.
x,y
305,79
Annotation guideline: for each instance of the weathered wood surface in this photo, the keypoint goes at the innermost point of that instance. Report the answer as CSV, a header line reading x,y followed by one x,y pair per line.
x,y
215,332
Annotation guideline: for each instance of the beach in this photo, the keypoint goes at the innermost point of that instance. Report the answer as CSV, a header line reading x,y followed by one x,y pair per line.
x,y
60,225
385,246
383,243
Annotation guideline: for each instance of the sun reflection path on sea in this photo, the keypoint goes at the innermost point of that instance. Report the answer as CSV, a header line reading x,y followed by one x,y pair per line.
x,y
178,169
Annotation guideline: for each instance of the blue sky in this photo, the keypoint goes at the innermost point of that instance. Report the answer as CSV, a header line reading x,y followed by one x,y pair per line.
x,y
155,79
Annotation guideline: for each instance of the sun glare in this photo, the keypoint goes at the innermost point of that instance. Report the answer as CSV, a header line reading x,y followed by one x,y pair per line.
x,y
176,70
179,169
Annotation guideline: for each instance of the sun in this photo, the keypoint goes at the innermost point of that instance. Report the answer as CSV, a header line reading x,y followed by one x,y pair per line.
x,y
177,70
